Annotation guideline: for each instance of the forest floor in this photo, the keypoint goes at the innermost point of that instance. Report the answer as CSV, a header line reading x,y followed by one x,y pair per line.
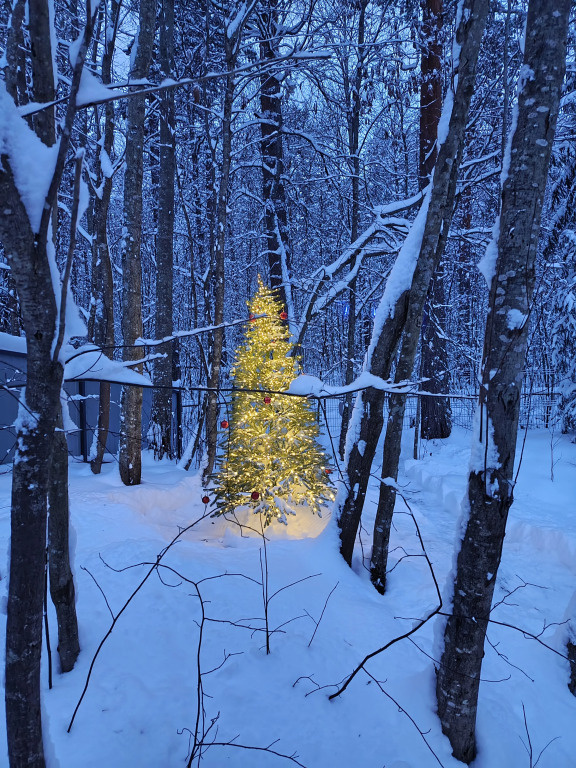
x,y
140,708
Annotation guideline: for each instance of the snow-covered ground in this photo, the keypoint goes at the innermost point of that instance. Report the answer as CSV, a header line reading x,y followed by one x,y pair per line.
x,y
141,704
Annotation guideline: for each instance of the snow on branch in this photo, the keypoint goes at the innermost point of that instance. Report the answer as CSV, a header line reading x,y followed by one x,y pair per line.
x,y
90,362
312,386
93,93
387,228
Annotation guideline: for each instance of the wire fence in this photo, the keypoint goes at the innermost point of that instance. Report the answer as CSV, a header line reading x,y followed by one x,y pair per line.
x,y
538,410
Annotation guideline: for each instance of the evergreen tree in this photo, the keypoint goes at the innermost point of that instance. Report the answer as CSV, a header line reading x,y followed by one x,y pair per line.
x,y
270,460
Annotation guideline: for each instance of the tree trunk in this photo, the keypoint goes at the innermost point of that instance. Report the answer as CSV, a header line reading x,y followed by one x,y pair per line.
x,y
26,245
30,479
571,653
354,104
130,457
435,416
162,398
433,347
43,75
217,346
401,310
430,87
349,370
61,580
15,55
436,413
30,485
101,325
509,266
275,214
209,243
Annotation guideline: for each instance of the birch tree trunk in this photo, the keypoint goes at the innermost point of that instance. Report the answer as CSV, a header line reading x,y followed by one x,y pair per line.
x,y
403,301
162,398
130,456
509,266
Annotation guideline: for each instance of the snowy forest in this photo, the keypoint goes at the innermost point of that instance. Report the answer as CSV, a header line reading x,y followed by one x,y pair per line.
x,y
288,383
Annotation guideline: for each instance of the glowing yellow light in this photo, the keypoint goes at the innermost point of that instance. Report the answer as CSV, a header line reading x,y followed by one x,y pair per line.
x,y
269,448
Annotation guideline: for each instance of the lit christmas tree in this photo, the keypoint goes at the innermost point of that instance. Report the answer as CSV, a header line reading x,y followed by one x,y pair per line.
x,y
270,459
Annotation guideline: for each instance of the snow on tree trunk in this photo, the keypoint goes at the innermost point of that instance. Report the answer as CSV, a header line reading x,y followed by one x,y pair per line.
x,y
130,456
402,304
509,267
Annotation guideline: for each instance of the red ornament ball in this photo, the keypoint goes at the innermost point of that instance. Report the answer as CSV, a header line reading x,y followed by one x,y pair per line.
x,y
283,316
224,424
328,471
205,499
267,399
251,318
254,495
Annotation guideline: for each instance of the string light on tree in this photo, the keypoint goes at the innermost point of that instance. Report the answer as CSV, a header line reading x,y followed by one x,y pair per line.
x,y
270,458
